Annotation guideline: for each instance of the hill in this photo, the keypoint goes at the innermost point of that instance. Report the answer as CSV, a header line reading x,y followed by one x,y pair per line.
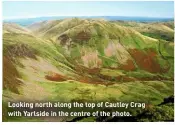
x,y
85,60
157,30
15,28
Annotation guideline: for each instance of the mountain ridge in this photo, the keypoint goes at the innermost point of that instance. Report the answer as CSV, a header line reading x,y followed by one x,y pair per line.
x,y
29,21
86,60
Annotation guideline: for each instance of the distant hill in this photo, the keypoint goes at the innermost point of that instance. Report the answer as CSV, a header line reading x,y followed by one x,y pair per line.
x,y
15,28
29,21
158,30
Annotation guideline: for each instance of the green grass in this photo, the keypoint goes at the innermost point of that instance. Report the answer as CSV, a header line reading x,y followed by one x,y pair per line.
x,y
160,35
110,72
150,91
17,46
140,74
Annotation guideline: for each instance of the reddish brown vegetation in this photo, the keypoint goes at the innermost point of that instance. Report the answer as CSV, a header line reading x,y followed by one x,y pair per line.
x,y
89,80
10,75
84,72
83,69
117,78
146,60
93,76
83,36
99,78
129,66
55,77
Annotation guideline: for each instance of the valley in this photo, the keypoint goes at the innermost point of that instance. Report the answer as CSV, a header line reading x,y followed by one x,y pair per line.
x,y
88,60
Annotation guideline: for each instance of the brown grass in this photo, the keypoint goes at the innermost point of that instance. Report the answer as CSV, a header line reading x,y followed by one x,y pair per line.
x,y
10,75
83,36
129,66
52,76
146,60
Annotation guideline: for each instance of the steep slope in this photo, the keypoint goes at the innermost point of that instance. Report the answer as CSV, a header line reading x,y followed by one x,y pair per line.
x,y
158,30
102,44
41,27
22,52
53,27
14,28
90,51
85,60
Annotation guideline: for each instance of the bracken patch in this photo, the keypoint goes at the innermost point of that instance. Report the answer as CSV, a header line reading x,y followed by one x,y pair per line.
x,y
52,76
83,36
129,66
146,60
10,75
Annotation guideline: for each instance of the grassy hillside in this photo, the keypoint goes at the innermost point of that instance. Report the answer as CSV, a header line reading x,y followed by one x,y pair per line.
x,y
15,28
85,60
157,30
